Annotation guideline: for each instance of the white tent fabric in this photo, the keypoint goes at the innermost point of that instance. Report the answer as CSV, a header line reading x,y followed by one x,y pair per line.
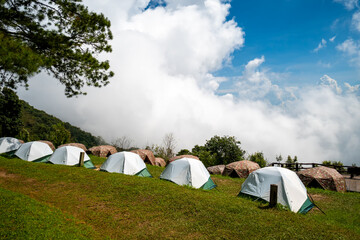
x,y
68,155
186,171
31,151
291,191
123,162
8,144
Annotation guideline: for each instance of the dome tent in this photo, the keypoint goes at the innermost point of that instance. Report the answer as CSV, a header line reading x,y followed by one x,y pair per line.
x,y
183,156
188,171
9,145
160,162
291,191
34,152
69,155
102,150
79,145
51,145
240,169
217,169
324,177
127,163
146,155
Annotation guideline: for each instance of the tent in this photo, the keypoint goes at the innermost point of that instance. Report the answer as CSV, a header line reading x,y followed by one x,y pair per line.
x,y
127,163
217,169
183,156
160,162
9,145
146,155
323,177
188,171
240,169
34,152
291,191
70,155
79,145
51,145
102,151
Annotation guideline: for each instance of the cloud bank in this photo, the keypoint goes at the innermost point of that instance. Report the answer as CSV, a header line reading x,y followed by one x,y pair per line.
x,y
164,57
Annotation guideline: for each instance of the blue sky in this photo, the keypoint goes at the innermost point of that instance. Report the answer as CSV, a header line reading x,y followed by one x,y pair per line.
x,y
286,33
290,87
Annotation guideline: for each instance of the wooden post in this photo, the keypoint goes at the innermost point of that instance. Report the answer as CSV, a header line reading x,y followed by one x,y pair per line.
x,y
81,159
297,167
273,195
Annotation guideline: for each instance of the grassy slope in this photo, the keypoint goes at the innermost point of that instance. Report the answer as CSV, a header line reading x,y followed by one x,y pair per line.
x,y
25,218
121,206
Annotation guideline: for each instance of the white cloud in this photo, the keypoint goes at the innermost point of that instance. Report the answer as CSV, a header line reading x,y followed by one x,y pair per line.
x,y
163,59
352,49
349,46
324,64
255,83
356,21
321,45
352,89
349,4
332,39
331,83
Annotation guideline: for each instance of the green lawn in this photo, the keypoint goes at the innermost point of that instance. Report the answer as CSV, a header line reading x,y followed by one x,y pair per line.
x,y
97,205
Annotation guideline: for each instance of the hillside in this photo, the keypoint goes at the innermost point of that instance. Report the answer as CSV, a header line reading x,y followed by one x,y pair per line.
x,y
38,124
88,204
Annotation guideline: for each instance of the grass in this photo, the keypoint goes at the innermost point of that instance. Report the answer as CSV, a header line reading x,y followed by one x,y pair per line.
x,y
97,161
25,218
117,206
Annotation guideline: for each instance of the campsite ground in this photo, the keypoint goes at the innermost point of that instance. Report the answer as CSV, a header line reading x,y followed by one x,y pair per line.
x,y
44,201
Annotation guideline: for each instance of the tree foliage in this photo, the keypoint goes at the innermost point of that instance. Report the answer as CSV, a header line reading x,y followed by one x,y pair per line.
x,y
10,118
61,37
37,125
58,134
219,150
290,160
258,157
226,149
183,152
204,155
335,164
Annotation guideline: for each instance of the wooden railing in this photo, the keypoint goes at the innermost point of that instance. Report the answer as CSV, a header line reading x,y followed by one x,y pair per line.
x,y
301,166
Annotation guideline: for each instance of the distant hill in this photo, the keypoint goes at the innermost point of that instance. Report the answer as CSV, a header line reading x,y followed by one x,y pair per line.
x,y
38,124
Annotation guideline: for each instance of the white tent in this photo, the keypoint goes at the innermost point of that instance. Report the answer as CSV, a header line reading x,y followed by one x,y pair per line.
x,y
9,144
34,152
291,191
70,155
188,171
127,163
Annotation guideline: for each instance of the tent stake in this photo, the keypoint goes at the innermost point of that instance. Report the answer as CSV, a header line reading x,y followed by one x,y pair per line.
x,y
81,159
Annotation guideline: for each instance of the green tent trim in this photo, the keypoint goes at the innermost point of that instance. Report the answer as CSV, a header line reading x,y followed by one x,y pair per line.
x,y
43,159
88,164
307,206
10,153
208,185
144,173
